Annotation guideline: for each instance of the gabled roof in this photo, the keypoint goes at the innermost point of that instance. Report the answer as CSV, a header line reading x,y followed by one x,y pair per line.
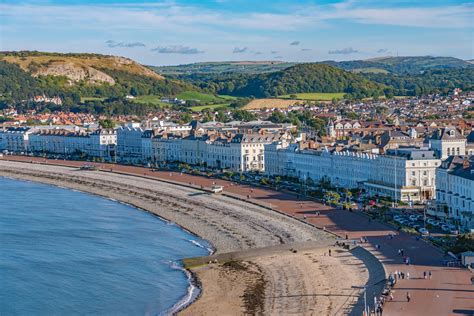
x,y
447,133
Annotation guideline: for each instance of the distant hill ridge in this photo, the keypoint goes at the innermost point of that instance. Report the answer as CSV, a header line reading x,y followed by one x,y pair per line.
x,y
244,67
401,65
386,64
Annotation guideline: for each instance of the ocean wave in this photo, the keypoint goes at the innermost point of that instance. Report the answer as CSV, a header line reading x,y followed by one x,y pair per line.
x,y
191,295
198,244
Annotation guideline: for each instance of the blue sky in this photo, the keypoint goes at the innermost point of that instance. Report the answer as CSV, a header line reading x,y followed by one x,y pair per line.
x,y
177,32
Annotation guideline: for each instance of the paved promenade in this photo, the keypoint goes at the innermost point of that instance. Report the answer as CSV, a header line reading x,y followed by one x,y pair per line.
x,y
448,292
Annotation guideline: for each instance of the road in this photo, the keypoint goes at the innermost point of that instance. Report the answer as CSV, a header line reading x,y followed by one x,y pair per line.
x,y
448,292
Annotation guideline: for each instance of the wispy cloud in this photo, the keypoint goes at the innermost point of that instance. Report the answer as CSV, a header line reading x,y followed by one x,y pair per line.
x,y
111,43
240,50
177,49
295,43
306,49
177,17
257,53
344,51
383,51
273,52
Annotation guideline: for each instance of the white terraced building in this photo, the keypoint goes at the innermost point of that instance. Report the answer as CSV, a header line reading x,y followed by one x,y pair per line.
x,y
59,142
344,169
406,175
129,143
455,190
241,152
100,143
15,139
448,142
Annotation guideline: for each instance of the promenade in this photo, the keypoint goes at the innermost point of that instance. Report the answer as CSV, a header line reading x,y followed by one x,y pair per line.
x,y
448,292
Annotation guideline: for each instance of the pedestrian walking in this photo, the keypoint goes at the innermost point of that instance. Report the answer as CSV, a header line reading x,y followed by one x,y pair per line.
x,y
329,252
402,252
408,275
399,251
347,237
408,297
391,296
429,275
395,275
403,275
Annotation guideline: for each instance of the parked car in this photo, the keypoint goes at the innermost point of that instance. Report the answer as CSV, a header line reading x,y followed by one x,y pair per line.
x,y
445,228
424,231
431,221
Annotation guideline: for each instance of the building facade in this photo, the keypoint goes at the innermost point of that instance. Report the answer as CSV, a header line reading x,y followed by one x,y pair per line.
x,y
455,190
448,142
15,139
406,175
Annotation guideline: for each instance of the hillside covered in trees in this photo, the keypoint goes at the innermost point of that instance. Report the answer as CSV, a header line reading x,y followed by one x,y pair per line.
x,y
296,79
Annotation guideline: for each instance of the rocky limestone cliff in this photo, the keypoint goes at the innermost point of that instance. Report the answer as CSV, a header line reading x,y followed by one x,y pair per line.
x,y
75,73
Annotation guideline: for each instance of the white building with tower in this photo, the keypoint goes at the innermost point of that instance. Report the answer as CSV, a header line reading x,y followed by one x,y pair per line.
x,y
447,142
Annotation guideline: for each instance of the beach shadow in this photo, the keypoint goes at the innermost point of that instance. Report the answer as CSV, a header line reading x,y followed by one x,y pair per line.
x,y
464,311
198,193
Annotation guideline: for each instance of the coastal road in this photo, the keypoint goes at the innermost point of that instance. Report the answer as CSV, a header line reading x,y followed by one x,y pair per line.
x,y
448,292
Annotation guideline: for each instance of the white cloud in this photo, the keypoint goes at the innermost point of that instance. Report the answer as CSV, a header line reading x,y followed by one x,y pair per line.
x,y
344,51
239,50
112,44
177,49
181,18
294,43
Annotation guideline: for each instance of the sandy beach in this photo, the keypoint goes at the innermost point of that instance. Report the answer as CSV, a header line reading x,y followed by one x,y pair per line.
x,y
307,282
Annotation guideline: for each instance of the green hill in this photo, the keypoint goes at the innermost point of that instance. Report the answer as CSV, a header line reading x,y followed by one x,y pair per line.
x,y
76,76
300,78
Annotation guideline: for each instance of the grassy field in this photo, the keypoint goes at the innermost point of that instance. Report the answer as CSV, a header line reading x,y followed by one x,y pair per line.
x,y
317,96
207,101
198,96
227,97
150,99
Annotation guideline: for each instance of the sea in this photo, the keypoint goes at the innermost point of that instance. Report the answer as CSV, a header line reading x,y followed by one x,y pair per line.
x,y
64,252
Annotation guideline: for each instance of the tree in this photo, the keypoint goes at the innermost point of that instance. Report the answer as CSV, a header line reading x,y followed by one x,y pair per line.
x,y
107,123
278,117
243,115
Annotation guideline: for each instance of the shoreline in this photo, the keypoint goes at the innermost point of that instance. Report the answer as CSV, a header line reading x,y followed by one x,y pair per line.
x,y
193,280
226,223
